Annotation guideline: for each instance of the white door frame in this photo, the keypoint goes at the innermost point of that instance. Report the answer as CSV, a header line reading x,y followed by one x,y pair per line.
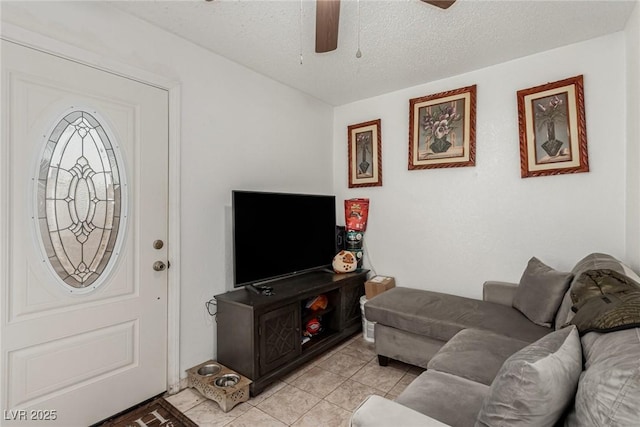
x,y
30,39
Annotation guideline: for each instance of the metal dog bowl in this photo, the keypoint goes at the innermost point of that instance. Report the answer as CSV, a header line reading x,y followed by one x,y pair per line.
x,y
227,380
209,369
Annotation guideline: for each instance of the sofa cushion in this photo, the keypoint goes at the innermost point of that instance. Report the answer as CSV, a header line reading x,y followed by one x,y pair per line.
x,y
540,292
536,384
609,388
441,316
475,354
447,398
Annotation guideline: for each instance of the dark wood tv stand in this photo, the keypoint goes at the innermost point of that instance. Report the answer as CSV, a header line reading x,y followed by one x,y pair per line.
x,y
260,336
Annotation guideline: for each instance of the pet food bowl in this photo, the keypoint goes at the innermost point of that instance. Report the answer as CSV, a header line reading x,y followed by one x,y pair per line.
x,y
209,369
227,380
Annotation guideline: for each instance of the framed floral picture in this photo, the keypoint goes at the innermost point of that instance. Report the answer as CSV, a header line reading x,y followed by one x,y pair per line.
x,y
553,138
442,129
365,154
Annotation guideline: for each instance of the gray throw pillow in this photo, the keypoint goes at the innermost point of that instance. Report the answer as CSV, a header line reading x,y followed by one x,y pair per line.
x,y
609,388
535,385
540,292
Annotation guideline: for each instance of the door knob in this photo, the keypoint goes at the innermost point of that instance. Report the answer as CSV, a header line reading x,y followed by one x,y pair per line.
x,y
159,266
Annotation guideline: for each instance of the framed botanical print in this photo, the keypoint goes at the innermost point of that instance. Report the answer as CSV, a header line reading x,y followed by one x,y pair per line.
x,y
442,129
553,138
365,154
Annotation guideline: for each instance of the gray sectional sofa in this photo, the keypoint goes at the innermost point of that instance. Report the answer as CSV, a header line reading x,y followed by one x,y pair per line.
x,y
515,358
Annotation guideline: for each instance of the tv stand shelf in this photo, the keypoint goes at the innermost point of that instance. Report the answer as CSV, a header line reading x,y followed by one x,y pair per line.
x,y
260,336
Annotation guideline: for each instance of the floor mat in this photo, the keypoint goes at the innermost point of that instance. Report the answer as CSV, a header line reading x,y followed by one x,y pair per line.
x,y
158,412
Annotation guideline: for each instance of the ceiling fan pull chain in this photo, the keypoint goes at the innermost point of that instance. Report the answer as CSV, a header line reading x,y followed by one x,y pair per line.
x,y
358,53
301,31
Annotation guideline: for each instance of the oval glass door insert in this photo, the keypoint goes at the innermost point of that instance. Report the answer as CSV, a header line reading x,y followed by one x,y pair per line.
x,y
80,201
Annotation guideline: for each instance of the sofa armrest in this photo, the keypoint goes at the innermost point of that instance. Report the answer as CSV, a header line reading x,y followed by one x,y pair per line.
x,y
499,292
376,411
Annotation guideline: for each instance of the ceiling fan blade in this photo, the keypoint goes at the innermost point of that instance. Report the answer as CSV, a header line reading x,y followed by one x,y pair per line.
x,y
327,19
442,4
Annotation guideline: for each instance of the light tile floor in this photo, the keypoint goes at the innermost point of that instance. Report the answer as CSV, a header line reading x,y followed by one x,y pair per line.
x,y
322,393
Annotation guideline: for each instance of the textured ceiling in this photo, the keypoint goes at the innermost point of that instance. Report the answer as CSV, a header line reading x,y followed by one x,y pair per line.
x,y
403,42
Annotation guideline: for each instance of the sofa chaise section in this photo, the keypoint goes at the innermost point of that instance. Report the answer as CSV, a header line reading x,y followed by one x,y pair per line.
x,y
412,324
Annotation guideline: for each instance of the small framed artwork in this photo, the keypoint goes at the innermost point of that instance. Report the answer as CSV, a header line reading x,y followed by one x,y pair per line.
x,y
553,138
442,129
365,154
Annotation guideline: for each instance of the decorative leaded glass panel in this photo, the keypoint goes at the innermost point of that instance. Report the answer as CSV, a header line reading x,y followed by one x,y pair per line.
x,y
79,199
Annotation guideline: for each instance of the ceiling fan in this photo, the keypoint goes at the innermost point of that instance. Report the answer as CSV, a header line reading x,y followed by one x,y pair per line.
x,y
328,17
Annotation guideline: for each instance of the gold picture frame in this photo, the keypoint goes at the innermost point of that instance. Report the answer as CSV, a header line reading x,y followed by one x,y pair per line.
x,y
442,129
365,154
552,127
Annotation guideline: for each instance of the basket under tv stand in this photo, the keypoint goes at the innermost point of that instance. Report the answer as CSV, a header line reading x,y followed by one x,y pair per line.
x,y
260,336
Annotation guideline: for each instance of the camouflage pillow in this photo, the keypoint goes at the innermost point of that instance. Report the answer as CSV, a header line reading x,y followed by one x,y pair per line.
x,y
604,301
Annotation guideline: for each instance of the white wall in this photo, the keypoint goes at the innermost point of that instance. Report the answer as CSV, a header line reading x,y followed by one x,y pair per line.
x,y
451,229
238,129
632,34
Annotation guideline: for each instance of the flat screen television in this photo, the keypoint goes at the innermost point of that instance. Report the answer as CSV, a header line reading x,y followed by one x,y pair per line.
x,y
281,234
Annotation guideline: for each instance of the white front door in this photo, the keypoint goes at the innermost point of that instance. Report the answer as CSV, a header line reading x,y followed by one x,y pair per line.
x,y
84,186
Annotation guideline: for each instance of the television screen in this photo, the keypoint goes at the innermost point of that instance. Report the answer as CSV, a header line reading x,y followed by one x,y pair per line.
x,y
280,234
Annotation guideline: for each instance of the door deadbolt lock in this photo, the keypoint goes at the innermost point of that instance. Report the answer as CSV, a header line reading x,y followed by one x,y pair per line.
x,y
158,244
159,266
